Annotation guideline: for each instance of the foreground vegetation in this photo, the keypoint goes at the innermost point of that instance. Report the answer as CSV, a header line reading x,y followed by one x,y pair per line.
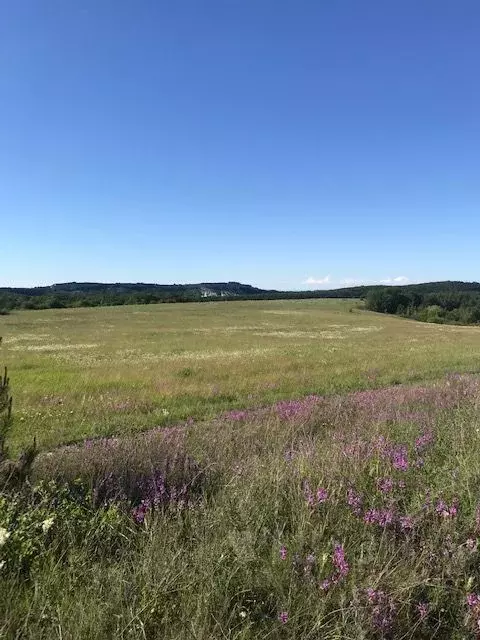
x,y
269,476
85,373
354,516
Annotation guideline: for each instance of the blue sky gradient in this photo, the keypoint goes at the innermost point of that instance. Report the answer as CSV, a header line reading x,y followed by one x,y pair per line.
x,y
288,144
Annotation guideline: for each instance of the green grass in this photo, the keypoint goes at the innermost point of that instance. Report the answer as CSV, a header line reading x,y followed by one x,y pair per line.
x,y
227,566
80,373
247,542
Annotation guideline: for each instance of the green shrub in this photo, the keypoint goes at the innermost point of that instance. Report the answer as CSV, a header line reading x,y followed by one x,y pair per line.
x,y
50,518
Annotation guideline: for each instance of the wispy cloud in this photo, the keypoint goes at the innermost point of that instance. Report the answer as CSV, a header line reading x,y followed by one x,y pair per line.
x,y
397,280
316,281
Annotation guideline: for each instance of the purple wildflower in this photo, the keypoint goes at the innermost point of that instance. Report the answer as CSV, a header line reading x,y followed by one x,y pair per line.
x,y
424,440
309,562
283,617
445,511
283,552
139,512
236,416
371,594
340,561
385,485
382,609
382,517
309,498
473,600
354,501
325,584
381,445
385,517
399,457
406,523
422,608
370,516
322,495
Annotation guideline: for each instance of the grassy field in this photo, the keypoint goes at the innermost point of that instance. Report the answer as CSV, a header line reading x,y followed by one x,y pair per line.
x,y
81,373
338,503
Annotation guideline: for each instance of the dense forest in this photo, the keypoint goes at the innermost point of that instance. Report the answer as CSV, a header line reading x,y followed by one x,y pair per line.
x,y
449,302
452,303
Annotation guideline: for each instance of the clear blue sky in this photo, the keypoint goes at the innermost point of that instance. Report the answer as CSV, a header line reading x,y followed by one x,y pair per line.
x,y
265,141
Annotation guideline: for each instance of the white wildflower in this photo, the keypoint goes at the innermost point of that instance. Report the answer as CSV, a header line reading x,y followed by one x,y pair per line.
x,y
46,524
4,536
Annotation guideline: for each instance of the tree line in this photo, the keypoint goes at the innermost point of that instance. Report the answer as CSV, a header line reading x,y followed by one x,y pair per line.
x,y
449,306
445,302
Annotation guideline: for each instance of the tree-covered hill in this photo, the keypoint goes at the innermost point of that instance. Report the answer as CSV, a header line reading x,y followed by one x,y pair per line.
x,y
449,301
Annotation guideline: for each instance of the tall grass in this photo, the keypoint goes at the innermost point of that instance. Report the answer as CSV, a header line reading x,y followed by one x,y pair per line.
x,y
354,516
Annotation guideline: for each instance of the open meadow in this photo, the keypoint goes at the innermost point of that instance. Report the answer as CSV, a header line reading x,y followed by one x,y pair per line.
x,y
241,470
84,373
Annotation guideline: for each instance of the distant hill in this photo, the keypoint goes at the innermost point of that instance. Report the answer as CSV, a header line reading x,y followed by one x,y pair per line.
x,y
409,300
88,288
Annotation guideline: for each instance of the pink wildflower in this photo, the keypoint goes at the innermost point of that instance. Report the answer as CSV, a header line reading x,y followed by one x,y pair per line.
x,y
283,552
